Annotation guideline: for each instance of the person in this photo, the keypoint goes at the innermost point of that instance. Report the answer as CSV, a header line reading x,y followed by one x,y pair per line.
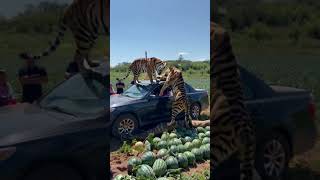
x,y
120,86
31,77
6,93
72,68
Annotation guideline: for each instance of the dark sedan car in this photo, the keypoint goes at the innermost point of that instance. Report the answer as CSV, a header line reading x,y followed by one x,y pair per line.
x,y
286,126
141,106
61,137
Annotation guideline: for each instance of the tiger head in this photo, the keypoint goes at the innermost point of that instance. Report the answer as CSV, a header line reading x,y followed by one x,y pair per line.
x,y
159,64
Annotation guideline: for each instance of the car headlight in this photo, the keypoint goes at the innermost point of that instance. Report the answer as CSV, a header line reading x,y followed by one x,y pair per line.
x,y
6,153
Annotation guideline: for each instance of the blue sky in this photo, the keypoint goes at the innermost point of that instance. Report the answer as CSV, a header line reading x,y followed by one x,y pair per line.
x,y
164,28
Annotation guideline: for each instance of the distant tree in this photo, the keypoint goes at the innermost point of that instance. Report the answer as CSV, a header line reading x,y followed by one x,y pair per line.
x,y
180,57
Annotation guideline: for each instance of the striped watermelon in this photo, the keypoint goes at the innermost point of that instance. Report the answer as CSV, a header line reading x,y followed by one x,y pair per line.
x,y
145,171
201,135
156,140
207,128
188,146
201,130
133,162
174,149
191,157
206,151
172,163
148,158
119,177
183,160
206,140
172,135
177,141
207,134
187,139
181,148
162,145
159,167
196,143
170,143
162,153
165,136
198,154
147,145
163,178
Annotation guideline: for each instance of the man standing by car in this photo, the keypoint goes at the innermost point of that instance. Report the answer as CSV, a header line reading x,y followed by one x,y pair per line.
x,y
31,77
120,86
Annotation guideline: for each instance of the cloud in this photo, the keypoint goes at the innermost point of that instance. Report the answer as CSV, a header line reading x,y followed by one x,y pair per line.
x,y
183,53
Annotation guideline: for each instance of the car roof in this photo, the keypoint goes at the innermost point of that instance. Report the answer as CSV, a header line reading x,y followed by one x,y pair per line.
x,y
147,82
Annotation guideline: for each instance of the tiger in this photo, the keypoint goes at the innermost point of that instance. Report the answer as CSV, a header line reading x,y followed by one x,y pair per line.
x,y
233,131
152,66
174,80
87,20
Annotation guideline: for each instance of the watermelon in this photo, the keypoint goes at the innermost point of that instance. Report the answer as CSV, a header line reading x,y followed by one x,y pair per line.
x,y
148,158
182,160
165,136
159,167
145,171
206,151
147,145
198,154
138,145
206,140
177,141
181,148
201,130
207,128
172,163
133,162
156,140
162,153
196,143
119,177
191,157
201,135
188,146
162,178
170,143
174,149
207,134
162,145
187,139
172,135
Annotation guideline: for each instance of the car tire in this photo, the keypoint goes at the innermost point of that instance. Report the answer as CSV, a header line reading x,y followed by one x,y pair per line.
x,y
54,172
195,111
124,125
272,157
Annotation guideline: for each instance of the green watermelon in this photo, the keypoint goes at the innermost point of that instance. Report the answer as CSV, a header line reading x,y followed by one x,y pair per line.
x,y
159,167
145,171
201,130
207,128
206,140
156,140
196,143
165,136
172,135
147,145
201,135
198,154
162,153
172,163
133,162
162,145
206,151
174,149
162,178
182,160
119,177
177,141
187,139
207,134
191,157
181,148
188,146
148,158
170,143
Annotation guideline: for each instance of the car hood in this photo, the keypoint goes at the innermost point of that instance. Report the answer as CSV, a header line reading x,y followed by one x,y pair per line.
x,y
120,100
23,120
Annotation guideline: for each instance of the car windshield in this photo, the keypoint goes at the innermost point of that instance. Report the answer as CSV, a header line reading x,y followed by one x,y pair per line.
x,y
137,91
77,96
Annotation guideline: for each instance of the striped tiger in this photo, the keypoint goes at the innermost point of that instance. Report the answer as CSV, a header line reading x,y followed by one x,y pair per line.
x,y
174,79
232,128
152,66
87,19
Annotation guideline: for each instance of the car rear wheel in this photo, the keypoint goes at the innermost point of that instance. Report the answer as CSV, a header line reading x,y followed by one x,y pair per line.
x,y
124,125
273,156
54,172
195,111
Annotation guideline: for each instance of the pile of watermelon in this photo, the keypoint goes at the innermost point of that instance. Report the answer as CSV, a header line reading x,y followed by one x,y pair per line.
x,y
169,154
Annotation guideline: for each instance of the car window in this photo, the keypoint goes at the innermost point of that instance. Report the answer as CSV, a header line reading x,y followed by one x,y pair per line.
x,y
166,92
77,96
137,91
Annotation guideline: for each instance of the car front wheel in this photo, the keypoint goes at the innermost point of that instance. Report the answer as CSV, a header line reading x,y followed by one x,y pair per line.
x,y
195,111
124,125
273,156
